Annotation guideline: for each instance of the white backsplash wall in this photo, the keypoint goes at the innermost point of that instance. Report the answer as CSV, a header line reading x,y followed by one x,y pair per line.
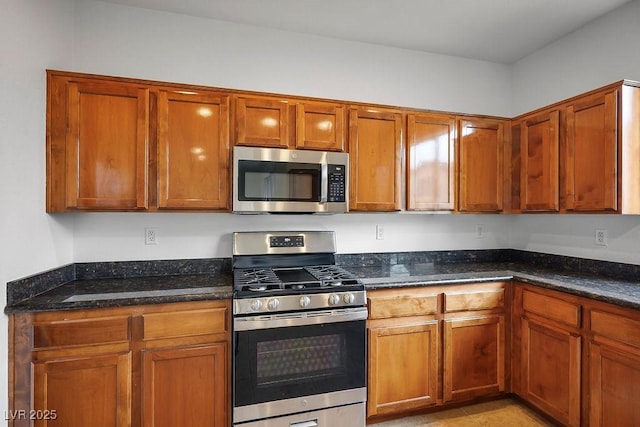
x,y
120,236
574,235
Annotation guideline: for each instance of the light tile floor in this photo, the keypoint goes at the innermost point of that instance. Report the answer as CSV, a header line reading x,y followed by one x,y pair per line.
x,y
499,413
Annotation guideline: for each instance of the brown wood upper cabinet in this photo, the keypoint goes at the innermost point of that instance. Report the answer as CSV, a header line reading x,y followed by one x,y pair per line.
x,y
431,162
97,145
193,150
320,126
539,162
580,155
375,149
126,145
591,153
481,165
262,122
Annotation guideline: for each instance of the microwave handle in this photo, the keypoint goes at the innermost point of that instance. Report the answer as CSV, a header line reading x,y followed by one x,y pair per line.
x,y
324,182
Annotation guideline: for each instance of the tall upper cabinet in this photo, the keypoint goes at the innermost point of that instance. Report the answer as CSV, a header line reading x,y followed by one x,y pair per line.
x,y
375,150
193,150
591,151
98,145
481,165
431,162
539,147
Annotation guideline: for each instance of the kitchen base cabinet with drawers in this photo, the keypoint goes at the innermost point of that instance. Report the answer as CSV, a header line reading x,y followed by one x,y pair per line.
x,y
431,346
549,352
614,365
155,365
403,350
576,359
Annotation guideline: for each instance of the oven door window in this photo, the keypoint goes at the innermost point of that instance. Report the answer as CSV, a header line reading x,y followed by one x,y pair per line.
x,y
278,181
281,363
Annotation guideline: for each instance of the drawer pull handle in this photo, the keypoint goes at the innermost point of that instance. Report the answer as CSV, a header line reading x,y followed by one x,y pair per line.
x,y
310,423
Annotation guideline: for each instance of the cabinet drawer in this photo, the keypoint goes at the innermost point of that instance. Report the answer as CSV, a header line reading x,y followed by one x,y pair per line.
x,y
616,327
402,305
65,333
184,323
480,300
551,308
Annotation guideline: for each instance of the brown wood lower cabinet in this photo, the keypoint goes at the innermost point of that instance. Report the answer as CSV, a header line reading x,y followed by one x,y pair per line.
x,y
614,369
155,365
551,370
474,357
411,348
547,369
92,390
181,386
434,345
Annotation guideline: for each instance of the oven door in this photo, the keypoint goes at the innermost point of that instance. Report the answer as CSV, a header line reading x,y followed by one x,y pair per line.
x,y
295,362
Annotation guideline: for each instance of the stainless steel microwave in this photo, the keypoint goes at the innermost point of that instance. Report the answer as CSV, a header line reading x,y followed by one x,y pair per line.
x,y
274,180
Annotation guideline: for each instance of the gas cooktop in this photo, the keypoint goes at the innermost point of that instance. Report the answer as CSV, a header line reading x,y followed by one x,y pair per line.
x,y
250,281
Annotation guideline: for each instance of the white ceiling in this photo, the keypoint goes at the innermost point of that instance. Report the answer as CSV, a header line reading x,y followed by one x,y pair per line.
x,y
501,31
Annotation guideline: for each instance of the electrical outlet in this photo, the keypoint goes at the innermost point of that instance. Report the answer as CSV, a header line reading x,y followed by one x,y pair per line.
x,y
601,238
479,231
379,232
150,236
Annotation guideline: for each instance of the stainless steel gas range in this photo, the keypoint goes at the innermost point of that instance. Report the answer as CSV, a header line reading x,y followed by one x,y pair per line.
x,y
299,337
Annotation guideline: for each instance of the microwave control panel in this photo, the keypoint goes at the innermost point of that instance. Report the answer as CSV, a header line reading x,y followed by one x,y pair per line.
x,y
337,183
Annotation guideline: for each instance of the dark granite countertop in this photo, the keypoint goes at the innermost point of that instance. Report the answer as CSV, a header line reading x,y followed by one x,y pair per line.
x,y
97,293
122,283
624,293
95,285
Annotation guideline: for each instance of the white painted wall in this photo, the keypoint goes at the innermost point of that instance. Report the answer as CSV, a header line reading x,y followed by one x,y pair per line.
x,y
117,40
602,52
34,34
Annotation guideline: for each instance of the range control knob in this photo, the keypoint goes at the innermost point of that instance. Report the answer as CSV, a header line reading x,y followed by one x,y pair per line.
x,y
348,298
334,299
256,305
305,301
273,304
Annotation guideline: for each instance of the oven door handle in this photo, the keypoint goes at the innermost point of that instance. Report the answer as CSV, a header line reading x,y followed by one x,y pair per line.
x,y
299,319
310,423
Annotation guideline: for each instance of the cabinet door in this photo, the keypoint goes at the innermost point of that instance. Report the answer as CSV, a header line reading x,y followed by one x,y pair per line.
x,y
84,391
474,358
481,165
193,150
107,146
430,162
550,370
614,378
375,149
185,386
262,122
591,154
320,126
540,163
403,367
